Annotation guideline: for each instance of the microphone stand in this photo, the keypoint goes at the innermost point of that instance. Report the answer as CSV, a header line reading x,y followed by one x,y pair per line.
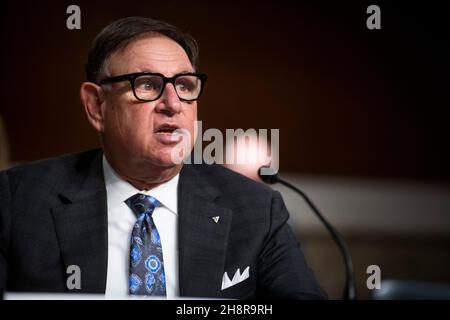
x,y
349,290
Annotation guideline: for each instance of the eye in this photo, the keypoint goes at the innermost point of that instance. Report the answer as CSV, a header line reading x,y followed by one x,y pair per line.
x,y
186,84
148,83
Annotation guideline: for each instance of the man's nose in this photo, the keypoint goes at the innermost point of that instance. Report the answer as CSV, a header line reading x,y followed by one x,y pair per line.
x,y
169,103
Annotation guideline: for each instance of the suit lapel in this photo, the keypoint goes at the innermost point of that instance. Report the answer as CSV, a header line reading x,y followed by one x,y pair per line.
x,y
202,241
82,230
81,226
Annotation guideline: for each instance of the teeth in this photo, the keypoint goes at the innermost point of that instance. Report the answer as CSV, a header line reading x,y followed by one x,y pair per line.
x,y
168,133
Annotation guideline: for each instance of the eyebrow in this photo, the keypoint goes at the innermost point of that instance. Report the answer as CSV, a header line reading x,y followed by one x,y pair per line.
x,y
176,74
186,71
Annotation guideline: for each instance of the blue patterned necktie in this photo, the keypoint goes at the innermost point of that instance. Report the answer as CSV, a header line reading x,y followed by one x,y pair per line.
x,y
146,259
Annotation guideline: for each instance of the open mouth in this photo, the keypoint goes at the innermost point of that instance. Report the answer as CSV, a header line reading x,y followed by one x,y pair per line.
x,y
169,133
167,130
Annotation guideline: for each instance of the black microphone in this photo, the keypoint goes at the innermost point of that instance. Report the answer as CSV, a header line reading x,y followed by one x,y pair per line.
x,y
349,290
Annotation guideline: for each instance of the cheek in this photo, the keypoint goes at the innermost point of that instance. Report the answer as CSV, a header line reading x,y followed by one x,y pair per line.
x,y
128,124
190,115
117,122
191,125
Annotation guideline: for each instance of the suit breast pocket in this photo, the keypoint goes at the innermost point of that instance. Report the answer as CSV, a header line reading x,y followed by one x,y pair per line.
x,y
238,285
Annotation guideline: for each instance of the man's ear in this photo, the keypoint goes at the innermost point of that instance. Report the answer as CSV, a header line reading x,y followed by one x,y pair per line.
x,y
92,97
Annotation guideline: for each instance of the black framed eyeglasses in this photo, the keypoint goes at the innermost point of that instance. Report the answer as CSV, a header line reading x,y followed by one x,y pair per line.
x,y
149,86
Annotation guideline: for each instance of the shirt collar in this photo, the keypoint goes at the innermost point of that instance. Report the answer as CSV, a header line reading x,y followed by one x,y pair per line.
x,y
119,190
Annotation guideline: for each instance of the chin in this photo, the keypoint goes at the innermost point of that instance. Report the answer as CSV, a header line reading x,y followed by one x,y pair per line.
x,y
164,159
167,163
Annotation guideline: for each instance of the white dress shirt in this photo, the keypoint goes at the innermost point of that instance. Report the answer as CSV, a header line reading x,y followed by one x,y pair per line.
x,y
121,220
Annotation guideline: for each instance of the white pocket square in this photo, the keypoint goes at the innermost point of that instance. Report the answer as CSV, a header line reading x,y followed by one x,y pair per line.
x,y
237,278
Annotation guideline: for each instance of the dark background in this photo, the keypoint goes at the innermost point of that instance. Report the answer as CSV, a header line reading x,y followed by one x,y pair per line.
x,y
347,100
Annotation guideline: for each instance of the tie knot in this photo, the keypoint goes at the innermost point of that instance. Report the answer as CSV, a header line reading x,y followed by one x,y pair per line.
x,y
141,203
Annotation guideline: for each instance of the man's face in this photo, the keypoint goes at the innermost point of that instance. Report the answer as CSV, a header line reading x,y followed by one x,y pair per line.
x,y
139,129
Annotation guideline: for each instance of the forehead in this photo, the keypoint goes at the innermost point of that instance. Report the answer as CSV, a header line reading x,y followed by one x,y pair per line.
x,y
153,54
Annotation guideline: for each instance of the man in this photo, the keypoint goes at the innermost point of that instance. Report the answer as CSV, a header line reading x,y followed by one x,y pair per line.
x,y
130,219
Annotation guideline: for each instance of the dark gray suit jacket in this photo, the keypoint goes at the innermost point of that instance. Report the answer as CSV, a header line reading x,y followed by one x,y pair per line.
x,y
53,213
